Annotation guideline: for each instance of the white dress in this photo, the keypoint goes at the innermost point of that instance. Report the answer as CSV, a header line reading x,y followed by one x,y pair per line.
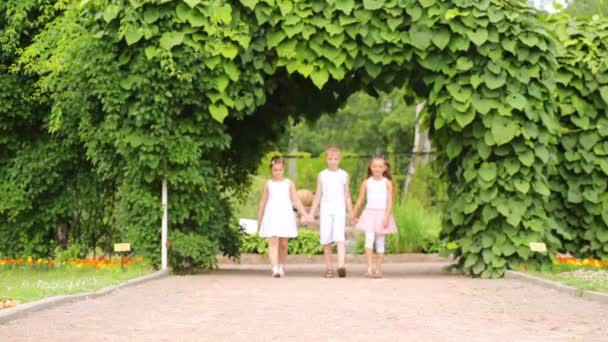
x,y
279,219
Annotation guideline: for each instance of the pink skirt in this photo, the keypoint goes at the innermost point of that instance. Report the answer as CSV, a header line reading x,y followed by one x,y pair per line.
x,y
372,220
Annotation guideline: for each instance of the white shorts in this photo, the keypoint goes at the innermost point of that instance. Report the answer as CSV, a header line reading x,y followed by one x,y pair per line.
x,y
332,228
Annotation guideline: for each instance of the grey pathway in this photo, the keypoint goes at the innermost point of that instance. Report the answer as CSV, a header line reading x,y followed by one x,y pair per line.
x,y
414,302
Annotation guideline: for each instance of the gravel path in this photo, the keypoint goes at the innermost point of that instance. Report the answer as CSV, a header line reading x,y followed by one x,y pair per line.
x,y
415,301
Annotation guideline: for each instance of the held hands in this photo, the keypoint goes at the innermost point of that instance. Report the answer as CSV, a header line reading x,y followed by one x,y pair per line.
x,y
307,219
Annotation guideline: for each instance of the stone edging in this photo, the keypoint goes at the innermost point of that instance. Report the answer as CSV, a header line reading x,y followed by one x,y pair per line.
x,y
257,259
573,291
21,310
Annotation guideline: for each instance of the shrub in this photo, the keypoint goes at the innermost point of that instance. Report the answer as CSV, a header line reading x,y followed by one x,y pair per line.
x,y
191,250
418,228
306,243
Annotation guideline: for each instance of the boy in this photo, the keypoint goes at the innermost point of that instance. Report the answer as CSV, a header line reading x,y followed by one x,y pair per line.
x,y
334,196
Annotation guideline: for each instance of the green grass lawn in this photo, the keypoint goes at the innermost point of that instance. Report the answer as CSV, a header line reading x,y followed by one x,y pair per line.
x,y
28,284
589,279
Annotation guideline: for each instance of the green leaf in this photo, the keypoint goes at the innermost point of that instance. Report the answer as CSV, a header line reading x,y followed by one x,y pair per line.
x,y
319,77
345,6
464,63
441,38
526,157
471,259
133,35
503,130
494,81
192,3
229,50
542,153
275,38
110,13
427,3
460,93
221,82
420,36
517,101
512,166
541,188
151,14
478,267
170,39
604,93
521,185
373,4
479,36
454,148
250,3
465,118
182,10
588,140
151,52
232,71
196,19
488,171
224,13
218,112
414,11
482,105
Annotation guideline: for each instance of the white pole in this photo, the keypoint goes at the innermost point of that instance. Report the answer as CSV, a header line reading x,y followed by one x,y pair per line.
x,y
164,228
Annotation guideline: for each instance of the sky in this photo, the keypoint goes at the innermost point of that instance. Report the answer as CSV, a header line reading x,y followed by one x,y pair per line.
x,y
547,5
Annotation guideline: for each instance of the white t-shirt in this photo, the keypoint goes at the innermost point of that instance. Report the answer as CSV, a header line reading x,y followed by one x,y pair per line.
x,y
377,193
332,191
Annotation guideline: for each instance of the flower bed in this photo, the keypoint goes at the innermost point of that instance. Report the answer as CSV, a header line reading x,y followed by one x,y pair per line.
x,y
588,262
29,279
585,274
99,263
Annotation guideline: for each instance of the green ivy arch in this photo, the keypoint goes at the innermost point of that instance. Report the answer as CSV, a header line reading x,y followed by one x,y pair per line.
x,y
175,88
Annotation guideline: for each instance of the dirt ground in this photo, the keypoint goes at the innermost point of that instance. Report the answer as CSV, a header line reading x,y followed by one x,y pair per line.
x,y
413,302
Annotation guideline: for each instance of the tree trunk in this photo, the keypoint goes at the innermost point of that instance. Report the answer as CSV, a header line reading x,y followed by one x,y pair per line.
x,y
422,145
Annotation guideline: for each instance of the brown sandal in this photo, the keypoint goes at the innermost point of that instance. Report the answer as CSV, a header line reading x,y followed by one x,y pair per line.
x,y
341,272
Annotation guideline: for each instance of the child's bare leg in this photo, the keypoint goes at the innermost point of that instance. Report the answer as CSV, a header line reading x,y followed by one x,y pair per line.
x,y
328,253
341,259
341,254
283,248
273,253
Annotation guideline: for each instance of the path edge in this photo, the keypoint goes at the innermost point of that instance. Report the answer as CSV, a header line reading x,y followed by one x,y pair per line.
x,y
22,310
259,259
551,284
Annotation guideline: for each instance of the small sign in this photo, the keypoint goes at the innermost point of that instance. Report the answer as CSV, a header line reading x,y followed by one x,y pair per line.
x,y
122,247
538,247
250,226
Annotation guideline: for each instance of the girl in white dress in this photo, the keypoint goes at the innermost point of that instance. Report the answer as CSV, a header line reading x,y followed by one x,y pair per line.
x,y
276,218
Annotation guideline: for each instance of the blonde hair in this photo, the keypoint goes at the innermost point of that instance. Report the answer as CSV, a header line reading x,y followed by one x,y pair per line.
x,y
333,148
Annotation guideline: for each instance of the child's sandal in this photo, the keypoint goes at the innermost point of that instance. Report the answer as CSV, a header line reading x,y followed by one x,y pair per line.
x,y
329,274
341,272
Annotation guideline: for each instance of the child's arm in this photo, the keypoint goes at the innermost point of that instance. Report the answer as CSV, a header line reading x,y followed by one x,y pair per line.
x,y
362,192
349,200
389,203
295,200
316,200
262,204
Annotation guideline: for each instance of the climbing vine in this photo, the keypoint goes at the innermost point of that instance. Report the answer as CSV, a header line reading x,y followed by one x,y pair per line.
x,y
193,91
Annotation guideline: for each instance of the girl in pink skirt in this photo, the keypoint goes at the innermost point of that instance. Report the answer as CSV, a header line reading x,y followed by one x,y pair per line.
x,y
377,219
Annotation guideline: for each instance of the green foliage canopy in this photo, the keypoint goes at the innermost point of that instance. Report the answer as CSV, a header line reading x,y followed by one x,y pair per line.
x,y
194,91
